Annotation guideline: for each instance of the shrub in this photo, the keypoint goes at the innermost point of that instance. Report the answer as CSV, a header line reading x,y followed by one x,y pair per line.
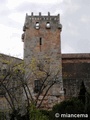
x,y
71,106
2,115
36,114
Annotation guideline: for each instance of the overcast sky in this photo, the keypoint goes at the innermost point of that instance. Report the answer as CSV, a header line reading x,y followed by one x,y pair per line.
x,y
75,18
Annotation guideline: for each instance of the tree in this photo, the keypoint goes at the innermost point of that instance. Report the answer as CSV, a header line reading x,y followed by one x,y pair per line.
x,y
47,78
36,114
16,84
87,102
10,86
82,93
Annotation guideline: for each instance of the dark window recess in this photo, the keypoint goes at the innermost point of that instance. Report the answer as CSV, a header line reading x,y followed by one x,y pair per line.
x,y
40,41
37,86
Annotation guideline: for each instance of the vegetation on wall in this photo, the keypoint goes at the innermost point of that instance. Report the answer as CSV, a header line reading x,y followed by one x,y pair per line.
x,y
14,84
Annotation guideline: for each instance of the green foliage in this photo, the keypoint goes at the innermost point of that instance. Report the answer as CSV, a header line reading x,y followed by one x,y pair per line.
x,y
35,114
47,113
71,106
88,108
2,116
87,103
15,115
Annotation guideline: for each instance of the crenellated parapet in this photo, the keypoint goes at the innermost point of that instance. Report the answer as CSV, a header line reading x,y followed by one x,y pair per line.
x,y
41,22
39,18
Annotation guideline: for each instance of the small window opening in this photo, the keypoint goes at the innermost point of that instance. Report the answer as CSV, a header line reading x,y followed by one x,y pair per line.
x,y
37,25
48,25
37,86
40,41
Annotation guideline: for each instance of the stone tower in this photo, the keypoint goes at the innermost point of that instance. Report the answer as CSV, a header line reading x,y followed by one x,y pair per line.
x,y
42,43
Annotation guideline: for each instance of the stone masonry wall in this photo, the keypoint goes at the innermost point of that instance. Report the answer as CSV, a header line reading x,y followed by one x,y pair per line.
x,y
75,69
6,62
44,44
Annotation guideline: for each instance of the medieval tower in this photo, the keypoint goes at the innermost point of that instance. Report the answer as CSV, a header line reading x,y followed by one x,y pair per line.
x,y
42,47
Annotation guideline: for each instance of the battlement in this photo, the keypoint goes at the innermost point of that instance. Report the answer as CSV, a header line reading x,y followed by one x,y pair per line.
x,y
41,22
41,17
32,19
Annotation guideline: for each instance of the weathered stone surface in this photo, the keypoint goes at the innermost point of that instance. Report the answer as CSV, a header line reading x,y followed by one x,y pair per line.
x,y
6,63
48,49
76,68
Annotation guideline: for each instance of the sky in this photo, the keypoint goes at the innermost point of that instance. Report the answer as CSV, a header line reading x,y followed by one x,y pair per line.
x,y
74,17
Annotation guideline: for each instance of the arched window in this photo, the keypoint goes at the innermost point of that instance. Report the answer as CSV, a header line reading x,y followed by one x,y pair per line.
x,y
37,25
48,25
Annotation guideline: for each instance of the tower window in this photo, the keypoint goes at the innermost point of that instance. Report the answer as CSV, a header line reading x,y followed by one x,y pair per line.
x,y
37,25
37,86
48,25
40,41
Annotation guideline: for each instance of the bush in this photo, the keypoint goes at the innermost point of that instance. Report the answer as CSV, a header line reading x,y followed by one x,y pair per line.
x,y
82,93
71,106
2,115
36,114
